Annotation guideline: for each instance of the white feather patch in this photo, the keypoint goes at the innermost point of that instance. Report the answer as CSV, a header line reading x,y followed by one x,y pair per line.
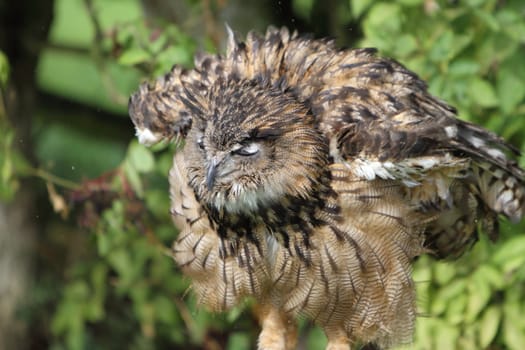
x,y
370,169
451,131
476,141
248,200
496,153
147,137
408,170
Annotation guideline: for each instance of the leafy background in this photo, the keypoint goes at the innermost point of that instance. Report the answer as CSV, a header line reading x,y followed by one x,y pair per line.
x,y
84,224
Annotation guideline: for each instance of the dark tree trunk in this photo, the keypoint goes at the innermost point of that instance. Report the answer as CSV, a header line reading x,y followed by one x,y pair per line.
x,y
24,27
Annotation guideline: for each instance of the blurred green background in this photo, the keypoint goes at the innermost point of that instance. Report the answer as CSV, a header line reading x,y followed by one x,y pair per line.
x,y
84,224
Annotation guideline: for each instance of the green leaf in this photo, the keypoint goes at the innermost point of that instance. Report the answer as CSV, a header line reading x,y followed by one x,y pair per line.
x,y
176,54
159,44
492,275
513,263
165,309
103,243
382,22
140,157
12,162
121,261
459,43
512,23
235,313
488,18
134,179
424,333
358,7
516,31
489,325
442,47
455,313
463,67
4,69
510,88
114,219
514,247
513,334
467,339
446,336
479,295
133,56
448,294
405,45
61,71
514,125
444,272
99,275
71,24
423,269
448,46
5,156
239,341
482,93
158,203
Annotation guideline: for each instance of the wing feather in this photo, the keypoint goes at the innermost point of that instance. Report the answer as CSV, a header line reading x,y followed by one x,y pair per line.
x,y
383,123
379,117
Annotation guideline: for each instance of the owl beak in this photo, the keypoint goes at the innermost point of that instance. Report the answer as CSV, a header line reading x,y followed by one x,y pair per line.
x,y
211,173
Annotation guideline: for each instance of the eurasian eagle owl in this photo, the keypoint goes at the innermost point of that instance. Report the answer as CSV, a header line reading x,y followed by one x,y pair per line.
x,y
310,179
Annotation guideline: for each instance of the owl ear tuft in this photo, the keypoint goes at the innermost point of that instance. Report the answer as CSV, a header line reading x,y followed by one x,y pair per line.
x,y
232,41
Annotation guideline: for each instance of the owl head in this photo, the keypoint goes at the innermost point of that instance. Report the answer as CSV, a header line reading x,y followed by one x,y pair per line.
x,y
250,145
249,141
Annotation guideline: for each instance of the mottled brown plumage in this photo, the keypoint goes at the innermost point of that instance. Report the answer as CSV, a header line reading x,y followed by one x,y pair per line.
x,y
310,179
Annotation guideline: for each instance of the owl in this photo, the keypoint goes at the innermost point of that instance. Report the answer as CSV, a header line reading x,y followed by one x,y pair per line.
x,y
310,179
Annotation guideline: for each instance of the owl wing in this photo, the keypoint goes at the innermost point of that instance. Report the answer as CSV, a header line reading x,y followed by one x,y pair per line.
x,y
382,123
389,126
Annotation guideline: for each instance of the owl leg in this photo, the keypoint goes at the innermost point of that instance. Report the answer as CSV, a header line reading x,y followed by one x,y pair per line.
x,y
337,340
291,333
279,331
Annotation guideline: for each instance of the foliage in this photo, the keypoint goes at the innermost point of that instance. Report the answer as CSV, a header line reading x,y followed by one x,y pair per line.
x,y
124,291
469,54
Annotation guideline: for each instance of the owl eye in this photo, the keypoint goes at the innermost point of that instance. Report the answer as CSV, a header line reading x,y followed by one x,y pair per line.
x,y
247,150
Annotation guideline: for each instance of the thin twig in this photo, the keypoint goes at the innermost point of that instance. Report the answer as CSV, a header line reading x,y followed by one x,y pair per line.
x,y
41,173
